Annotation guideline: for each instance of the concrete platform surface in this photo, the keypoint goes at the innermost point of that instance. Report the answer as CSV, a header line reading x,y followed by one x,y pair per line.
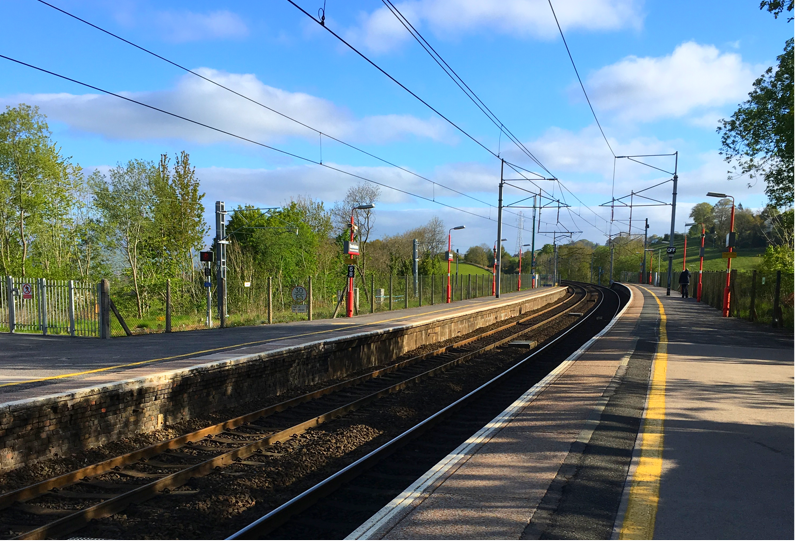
x,y
33,366
490,490
565,463
727,461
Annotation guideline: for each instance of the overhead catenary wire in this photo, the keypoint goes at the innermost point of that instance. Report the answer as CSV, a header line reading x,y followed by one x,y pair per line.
x,y
576,72
459,81
260,104
242,138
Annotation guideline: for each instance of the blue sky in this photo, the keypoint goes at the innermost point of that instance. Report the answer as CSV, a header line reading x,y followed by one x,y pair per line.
x,y
659,74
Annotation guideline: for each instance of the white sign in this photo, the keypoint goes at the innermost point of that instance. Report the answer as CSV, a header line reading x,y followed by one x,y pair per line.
x,y
299,308
299,294
27,291
246,284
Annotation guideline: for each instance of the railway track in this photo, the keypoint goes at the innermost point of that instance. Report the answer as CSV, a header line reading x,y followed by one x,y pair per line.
x,y
333,508
60,506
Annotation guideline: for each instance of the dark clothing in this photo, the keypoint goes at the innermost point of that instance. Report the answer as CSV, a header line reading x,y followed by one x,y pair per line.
x,y
684,282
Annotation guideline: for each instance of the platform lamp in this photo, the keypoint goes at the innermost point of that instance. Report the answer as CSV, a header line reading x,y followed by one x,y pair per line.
x,y
450,254
352,249
701,257
519,286
494,272
730,245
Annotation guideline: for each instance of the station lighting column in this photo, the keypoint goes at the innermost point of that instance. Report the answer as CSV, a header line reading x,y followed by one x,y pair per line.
x,y
450,256
700,257
353,250
730,245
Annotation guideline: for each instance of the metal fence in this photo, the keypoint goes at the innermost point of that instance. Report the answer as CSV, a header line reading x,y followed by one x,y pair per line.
x,y
764,297
264,301
59,307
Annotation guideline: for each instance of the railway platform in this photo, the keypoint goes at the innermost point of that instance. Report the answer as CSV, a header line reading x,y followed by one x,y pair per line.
x,y
34,366
674,423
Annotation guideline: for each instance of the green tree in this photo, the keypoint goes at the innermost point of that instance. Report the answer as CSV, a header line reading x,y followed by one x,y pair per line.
x,y
701,214
125,201
477,255
758,138
36,189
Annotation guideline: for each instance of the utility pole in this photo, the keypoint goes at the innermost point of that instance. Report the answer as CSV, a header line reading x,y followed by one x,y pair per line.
x,y
415,266
498,260
220,258
645,238
533,246
555,264
610,279
673,221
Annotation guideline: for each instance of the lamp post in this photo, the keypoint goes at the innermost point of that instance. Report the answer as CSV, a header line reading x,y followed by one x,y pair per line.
x,y
700,257
353,250
684,253
450,255
519,286
730,245
494,272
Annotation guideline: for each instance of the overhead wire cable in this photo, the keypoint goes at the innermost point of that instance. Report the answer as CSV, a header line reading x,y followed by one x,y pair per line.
x,y
228,89
242,138
459,81
579,78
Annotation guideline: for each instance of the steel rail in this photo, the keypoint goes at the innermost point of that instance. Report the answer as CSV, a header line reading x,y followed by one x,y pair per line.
x,y
272,520
37,489
79,519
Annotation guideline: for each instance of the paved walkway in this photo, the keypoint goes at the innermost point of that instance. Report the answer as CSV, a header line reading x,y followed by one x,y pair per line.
x,y
714,459
727,451
34,365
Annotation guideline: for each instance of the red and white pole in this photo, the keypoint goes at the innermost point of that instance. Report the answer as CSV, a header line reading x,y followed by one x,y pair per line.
x,y
350,278
449,249
519,286
494,272
701,262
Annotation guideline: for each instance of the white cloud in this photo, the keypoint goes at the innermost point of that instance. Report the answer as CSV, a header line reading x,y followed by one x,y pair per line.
x,y
201,101
381,32
185,26
692,78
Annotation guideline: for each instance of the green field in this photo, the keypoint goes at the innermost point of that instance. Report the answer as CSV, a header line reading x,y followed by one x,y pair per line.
x,y
466,268
747,258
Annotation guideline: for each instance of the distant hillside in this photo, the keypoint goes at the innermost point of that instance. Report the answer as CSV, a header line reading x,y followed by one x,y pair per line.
x,y
747,258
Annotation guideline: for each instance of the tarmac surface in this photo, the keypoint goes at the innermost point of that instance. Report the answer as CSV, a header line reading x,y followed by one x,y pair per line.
x,y
566,463
34,365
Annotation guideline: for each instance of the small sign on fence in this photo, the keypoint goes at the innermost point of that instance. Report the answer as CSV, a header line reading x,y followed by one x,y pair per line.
x,y
27,291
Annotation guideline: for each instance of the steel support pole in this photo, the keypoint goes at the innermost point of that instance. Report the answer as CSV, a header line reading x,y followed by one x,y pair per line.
x,y
498,260
533,248
727,291
415,265
220,258
11,307
71,307
645,240
673,222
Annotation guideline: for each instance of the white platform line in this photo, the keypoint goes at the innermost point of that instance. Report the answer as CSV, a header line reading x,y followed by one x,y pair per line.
x,y
392,513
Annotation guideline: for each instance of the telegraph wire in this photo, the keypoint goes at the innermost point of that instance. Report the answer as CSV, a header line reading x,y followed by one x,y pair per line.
x,y
580,79
242,138
459,81
216,83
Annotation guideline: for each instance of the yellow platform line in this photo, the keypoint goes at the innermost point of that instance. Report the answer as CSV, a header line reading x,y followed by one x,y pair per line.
x,y
202,352
644,494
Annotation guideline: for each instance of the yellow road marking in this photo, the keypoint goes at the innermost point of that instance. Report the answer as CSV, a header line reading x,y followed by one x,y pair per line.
x,y
644,494
188,355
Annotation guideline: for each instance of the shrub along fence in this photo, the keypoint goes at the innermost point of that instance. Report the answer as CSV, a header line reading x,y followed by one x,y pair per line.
x,y
86,309
764,297
271,301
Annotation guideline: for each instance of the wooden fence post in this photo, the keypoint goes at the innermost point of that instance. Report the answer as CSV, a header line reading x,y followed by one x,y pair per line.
x,y
419,290
270,300
752,308
390,292
372,293
406,298
104,309
777,315
433,288
168,305
309,300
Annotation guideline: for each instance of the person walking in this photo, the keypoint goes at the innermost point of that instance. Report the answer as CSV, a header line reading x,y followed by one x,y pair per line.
x,y
684,282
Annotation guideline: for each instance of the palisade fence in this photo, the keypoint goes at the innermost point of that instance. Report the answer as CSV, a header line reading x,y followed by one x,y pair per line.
x,y
765,297
75,307
49,307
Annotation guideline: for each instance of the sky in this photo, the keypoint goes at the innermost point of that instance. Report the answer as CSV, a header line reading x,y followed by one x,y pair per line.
x,y
659,75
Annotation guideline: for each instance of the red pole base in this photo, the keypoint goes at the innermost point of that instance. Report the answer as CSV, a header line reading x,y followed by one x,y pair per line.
x,y
726,300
